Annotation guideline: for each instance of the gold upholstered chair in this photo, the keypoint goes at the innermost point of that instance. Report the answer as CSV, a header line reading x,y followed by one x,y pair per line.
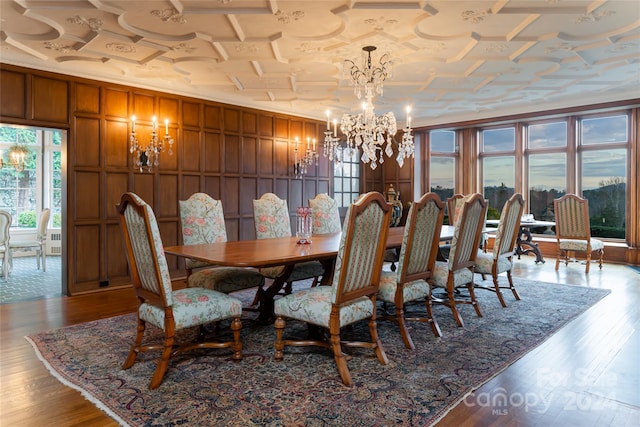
x,y
457,271
326,217
573,230
161,306
202,222
500,260
415,266
352,294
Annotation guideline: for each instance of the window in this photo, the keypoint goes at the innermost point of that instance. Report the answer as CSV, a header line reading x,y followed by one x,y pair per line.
x,y
346,178
497,154
25,193
442,163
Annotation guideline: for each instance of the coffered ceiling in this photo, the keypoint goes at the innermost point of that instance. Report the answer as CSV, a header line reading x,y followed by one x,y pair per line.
x,y
452,60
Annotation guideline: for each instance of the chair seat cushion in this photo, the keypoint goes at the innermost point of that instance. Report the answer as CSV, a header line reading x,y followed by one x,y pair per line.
x,y
301,271
313,305
441,274
484,263
418,289
580,245
24,243
193,307
225,279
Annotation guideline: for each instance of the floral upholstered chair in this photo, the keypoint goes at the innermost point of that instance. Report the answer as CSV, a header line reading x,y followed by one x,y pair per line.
x,y
5,224
457,271
202,221
326,218
271,216
415,265
352,294
159,304
500,260
573,230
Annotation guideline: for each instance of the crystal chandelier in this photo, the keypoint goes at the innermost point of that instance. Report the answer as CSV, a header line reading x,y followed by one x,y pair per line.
x,y
17,155
374,135
310,156
149,156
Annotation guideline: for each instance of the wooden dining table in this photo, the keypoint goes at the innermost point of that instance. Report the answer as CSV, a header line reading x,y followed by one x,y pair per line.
x,y
280,251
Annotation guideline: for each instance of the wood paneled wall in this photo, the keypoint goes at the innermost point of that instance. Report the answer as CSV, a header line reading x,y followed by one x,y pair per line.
x,y
233,153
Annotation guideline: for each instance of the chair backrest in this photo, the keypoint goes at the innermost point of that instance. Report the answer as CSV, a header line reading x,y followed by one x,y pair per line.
x,y
467,231
572,218
145,254
5,224
42,224
326,217
271,217
454,207
361,251
202,220
509,226
421,239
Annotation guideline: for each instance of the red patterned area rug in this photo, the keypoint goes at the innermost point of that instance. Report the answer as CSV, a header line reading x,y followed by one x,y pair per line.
x,y
206,387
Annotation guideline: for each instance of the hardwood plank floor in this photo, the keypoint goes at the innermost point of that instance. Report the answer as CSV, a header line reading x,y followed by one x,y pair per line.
x,y
585,375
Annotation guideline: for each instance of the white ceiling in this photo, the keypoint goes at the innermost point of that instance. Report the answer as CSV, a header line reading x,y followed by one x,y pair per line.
x,y
453,60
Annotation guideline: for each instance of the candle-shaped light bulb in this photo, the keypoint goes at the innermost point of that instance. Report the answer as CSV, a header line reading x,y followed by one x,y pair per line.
x,y
314,144
408,117
328,118
308,143
133,123
166,126
335,128
297,142
154,122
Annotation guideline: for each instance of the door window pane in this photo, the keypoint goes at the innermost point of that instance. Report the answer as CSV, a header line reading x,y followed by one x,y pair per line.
x,y
547,181
498,180
604,185
496,140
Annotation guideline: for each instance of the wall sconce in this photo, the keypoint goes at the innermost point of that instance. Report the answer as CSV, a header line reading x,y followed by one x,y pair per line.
x,y
149,156
300,167
17,155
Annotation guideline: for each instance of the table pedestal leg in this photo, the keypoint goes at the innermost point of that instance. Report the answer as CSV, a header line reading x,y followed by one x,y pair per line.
x,y
527,241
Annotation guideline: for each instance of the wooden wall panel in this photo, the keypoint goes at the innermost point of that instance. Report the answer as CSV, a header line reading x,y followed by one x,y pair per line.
x,y
168,195
50,100
231,196
116,143
296,197
87,243
87,142
249,123
116,103
13,102
190,114
232,120
87,196
169,109
143,186
282,165
249,155
212,187
87,99
248,194
143,108
265,185
168,158
233,229
190,185
232,154
169,231
116,185
116,267
212,153
212,117
265,157
281,128
266,125
189,151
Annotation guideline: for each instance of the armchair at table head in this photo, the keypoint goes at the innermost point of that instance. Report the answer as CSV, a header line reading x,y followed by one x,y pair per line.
x,y
457,272
38,244
326,217
415,265
158,303
573,230
5,255
500,260
202,222
352,294
271,217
